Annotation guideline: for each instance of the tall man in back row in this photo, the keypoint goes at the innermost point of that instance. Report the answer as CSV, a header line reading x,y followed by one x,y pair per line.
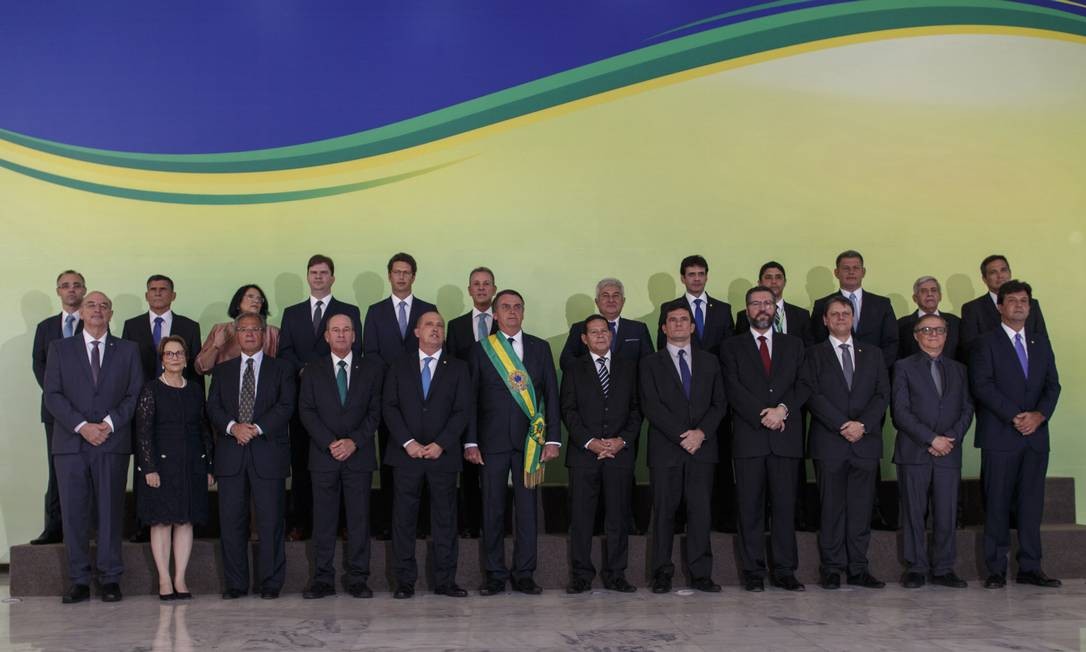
x,y
982,314
629,339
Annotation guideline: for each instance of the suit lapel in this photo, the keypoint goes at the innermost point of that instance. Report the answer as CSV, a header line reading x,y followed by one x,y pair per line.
x,y
831,358
109,346
80,345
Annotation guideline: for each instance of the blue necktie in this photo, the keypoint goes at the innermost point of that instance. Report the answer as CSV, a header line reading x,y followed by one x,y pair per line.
x,y
855,310
613,325
481,331
684,372
699,318
69,326
156,337
426,377
403,319
1020,349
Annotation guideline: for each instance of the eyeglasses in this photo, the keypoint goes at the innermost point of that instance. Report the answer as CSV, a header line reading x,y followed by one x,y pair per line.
x,y
761,304
254,297
173,354
252,329
931,330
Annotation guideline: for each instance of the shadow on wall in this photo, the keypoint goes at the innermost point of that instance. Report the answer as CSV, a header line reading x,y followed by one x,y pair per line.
x,y
737,294
450,303
288,290
820,282
578,307
957,291
369,288
662,288
125,306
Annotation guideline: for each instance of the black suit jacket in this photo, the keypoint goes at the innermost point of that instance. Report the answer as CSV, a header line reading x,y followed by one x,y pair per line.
x,y
381,335
72,397
48,330
326,419
497,424
632,342
718,324
441,417
138,330
460,335
299,345
796,319
1001,391
907,342
670,413
831,403
750,391
980,316
275,396
588,414
920,413
878,325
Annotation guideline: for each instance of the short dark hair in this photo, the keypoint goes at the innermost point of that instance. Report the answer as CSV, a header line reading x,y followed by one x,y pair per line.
x,y
406,258
235,304
1012,286
498,296
594,317
694,260
848,253
684,306
991,259
770,265
837,298
930,315
160,277
485,270
757,288
71,271
317,259
172,338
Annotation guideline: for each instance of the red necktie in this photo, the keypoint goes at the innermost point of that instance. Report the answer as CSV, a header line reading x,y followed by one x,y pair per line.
x,y
763,350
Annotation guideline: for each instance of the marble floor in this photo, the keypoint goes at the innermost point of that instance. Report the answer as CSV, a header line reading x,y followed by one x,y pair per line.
x,y
932,619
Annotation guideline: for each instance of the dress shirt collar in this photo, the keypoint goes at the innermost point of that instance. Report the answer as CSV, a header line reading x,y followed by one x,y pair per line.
x,y
674,351
475,312
768,335
324,304
597,358
1011,332
703,296
64,315
995,298
423,355
88,339
167,318
347,358
409,299
859,292
837,344
257,357
920,314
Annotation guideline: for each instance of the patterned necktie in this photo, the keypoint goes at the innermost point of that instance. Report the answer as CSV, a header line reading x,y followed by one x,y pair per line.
x,y
937,375
684,373
605,377
481,330
763,350
699,318
778,321
846,365
248,393
341,382
402,319
855,310
318,314
613,326
96,361
156,337
1020,349
69,326
426,376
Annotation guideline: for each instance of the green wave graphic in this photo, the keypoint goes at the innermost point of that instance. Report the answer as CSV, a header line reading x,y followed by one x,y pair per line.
x,y
683,53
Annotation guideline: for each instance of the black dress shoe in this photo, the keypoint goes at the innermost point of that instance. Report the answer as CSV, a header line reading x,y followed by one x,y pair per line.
x,y
706,585
269,594
912,580
866,580
404,591
949,579
143,535
78,593
167,597
111,592
661,584
619,584
830,581
452,590
182,595
995,581
579,585
360,590
753,584
318,590
1037,578
788,583
47,537
233,594
469,533
493,587
527,586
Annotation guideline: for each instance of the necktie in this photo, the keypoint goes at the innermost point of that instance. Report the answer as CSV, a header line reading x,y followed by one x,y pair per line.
x,y
684,372
248,393
481,329
402,319
341,382
855,309
156,337
512,343
96,361
426,376
778,322
318,314
605,377
937,375
69,326
846,365
1020,349
763,350
613,326
699,318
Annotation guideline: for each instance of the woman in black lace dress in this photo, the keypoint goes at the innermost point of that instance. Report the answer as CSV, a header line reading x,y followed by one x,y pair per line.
x,y
174,456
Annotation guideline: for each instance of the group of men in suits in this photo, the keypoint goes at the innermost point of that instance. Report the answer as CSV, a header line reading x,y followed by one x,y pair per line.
x,y
740,409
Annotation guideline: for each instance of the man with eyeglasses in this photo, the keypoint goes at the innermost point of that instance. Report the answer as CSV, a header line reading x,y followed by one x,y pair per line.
x,y
932,411
70,288
629,339
927,293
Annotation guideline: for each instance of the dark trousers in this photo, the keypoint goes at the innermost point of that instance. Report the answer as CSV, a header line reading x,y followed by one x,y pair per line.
x,y
724,509
495,474
670,484
299,510
53,523
354,489
1013,480
914,481
381,514
586,483
758,478
88,480
470,503
846,488
269,499
409,479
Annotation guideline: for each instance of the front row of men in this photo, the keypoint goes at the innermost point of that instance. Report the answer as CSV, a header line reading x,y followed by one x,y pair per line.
x,y
500,409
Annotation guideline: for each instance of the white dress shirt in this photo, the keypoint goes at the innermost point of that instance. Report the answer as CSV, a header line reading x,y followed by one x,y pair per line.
x,y
674,352
87,339
859,292
475,312
167,321
335,365
837,349
313,306
258,359
768,340
1011,334
596,365
704,302
64,318
434,357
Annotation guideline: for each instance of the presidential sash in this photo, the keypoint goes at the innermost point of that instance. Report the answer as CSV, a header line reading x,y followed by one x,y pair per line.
x,y
510,369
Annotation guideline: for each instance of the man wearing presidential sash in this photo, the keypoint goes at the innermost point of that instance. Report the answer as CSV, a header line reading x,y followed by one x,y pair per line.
x,y
514,429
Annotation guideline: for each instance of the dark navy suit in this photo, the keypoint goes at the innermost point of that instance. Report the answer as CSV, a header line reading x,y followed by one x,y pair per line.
x,y
980,315
878,325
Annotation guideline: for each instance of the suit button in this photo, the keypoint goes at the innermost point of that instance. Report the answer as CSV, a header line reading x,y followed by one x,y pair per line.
x,y
425,409
163,457
770,390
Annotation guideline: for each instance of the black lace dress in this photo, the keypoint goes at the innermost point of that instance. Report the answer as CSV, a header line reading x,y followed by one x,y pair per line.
x,y
172,439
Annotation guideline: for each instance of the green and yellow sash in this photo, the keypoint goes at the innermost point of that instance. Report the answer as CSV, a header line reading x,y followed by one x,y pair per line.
x,y
511,369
